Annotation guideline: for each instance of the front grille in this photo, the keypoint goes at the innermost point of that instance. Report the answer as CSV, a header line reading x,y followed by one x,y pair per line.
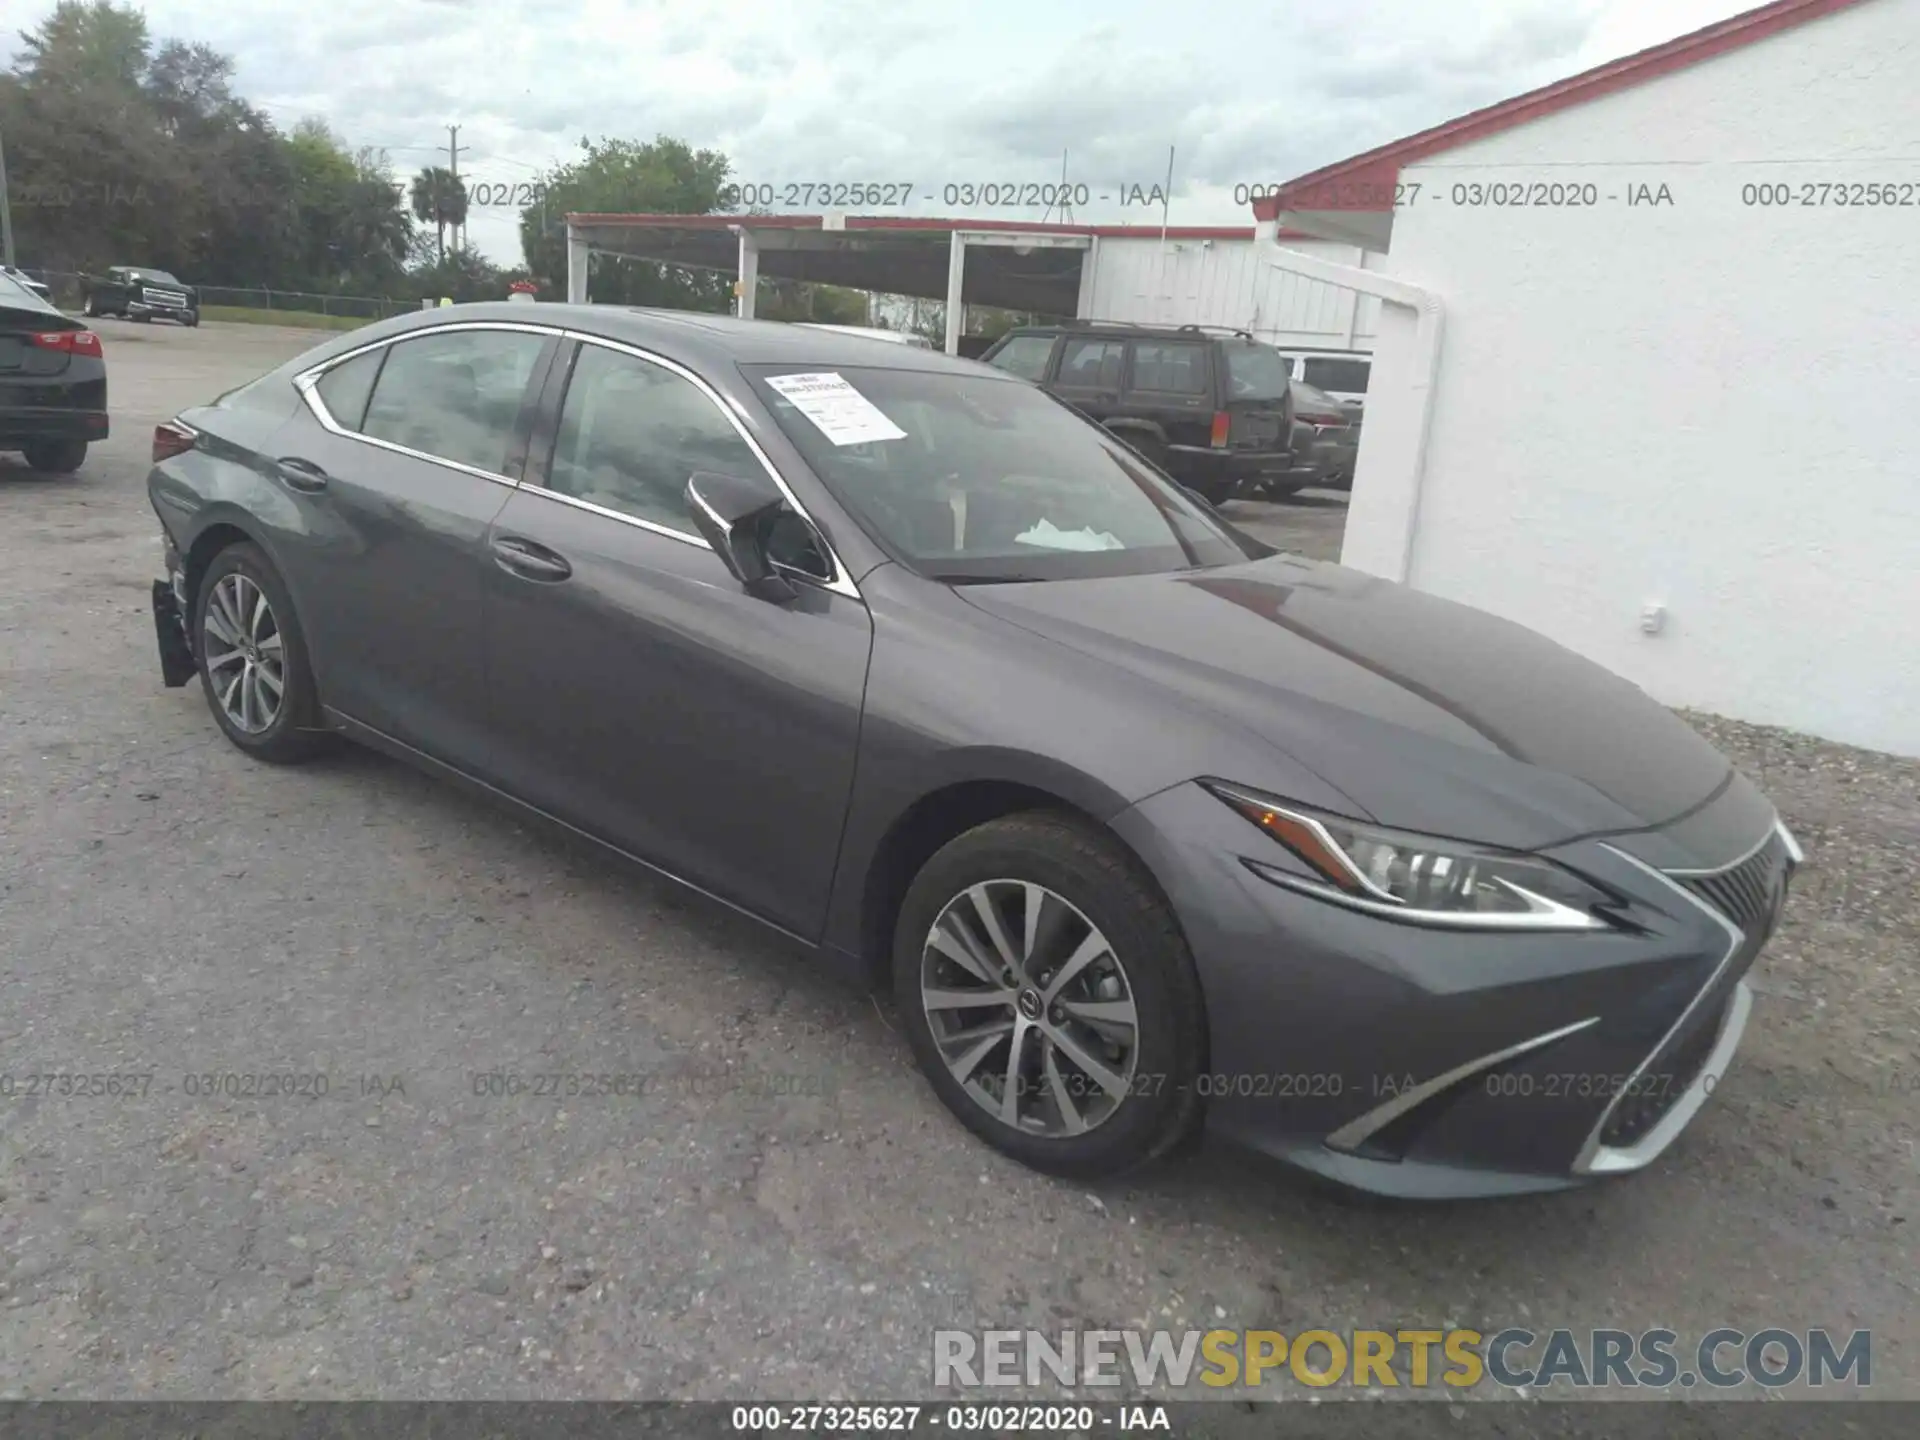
x,y
171,298
1655,1090
1748,893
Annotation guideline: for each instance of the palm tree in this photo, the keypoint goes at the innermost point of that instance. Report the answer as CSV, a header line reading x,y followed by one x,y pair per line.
x,y
440,196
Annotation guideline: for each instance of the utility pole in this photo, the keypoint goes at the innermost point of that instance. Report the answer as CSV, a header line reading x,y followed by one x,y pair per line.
x,y
6,211
453,162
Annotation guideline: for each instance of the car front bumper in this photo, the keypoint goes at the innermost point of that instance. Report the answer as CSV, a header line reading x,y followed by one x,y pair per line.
x,y
1439,1063
161,312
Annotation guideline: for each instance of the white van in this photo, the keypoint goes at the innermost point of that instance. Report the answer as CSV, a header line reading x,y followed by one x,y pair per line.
x,y
1341,373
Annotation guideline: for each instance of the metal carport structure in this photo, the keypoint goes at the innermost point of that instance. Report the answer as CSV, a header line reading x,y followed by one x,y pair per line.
x,y
1014,265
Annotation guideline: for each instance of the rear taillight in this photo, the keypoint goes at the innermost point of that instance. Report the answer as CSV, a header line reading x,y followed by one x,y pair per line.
x,y
171,438
74,342
1222,422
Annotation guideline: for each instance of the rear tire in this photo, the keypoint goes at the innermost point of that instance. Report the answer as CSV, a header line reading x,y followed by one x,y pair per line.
x,y
91,310
253,661
56,457
1104,943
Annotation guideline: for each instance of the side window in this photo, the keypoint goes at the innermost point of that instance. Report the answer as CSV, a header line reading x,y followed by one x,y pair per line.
x,y
344,389
455,394
1092,364
632,434
1025,356
1170,366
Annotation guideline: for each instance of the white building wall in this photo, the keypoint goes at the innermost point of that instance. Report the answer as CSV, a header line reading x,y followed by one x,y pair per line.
x,y
1227,282
1710,406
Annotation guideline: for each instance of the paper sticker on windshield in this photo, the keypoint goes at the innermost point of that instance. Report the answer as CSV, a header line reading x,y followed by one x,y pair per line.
x,y
838,411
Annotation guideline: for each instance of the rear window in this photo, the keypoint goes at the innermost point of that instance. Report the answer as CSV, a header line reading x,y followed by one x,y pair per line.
x,y
1331,373
1170,366
1257,372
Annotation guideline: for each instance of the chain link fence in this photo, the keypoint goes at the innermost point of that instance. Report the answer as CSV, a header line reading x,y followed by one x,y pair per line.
x,y
68,294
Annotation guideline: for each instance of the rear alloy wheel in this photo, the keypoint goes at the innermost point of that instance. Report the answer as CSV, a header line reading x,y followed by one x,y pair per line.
x,y
56,457
1050,998
253,661
91,309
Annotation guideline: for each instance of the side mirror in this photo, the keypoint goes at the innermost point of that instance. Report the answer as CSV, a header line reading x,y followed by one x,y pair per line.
x,y
733,514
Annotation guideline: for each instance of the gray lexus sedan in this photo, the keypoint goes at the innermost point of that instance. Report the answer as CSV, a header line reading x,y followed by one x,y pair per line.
x,y
1148,827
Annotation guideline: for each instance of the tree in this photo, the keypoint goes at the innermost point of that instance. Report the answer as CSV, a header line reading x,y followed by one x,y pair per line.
x,y
83,44
122,149
664,177
440,199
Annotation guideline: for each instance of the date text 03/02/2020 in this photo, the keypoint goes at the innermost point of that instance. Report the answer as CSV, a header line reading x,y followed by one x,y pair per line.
x,y
962,194
1464,194
954,1419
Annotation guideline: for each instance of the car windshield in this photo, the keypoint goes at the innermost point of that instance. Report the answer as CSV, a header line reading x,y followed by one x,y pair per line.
x,y
1258,372
1335,373
978,479
145,274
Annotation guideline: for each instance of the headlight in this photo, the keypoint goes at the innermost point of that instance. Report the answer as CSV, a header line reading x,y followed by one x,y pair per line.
x,y
1417,878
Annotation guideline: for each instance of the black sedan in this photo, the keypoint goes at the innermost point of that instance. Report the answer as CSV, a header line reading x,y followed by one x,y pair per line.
x,y
1145,825
53,382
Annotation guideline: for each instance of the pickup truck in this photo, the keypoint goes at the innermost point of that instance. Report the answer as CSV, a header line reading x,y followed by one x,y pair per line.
x,y
139,292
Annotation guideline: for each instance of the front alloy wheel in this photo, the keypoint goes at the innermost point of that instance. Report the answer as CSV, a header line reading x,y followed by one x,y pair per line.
x,y
1050,997
1030,1008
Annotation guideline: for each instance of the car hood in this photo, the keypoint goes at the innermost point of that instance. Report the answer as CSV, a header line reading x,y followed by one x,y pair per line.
x,y
1429,715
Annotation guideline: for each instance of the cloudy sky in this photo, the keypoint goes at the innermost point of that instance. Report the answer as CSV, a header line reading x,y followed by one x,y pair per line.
x,y
907,90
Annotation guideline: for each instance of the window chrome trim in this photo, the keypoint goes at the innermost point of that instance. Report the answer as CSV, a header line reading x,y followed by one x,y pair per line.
x,y
307,381
1355,1133
839,583
1596,1158
699,542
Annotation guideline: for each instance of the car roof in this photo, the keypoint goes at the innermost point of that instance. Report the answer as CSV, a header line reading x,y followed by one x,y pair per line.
x,y
1123,330
691,337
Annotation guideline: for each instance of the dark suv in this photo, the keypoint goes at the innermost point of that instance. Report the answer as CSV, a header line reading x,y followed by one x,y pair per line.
x,y
1209,406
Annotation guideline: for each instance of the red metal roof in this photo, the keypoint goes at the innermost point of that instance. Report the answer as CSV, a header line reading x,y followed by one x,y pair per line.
x,y
1365,182
928,223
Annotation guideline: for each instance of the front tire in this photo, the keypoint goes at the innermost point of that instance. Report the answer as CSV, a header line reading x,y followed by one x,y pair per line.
x,y
56,457
253,659
1050,997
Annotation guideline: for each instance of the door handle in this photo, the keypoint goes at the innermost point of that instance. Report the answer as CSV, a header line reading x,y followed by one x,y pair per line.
x,y
301,474
528,560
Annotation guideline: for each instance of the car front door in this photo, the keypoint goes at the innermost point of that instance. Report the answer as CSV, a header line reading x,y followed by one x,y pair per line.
x,y
400,459
644,695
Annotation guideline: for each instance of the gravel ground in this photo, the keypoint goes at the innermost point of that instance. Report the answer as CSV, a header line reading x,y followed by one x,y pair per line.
x,y
167,907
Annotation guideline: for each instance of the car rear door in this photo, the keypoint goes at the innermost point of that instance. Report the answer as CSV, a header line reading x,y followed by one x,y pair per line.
x,y
1170,385
643,695
395,466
